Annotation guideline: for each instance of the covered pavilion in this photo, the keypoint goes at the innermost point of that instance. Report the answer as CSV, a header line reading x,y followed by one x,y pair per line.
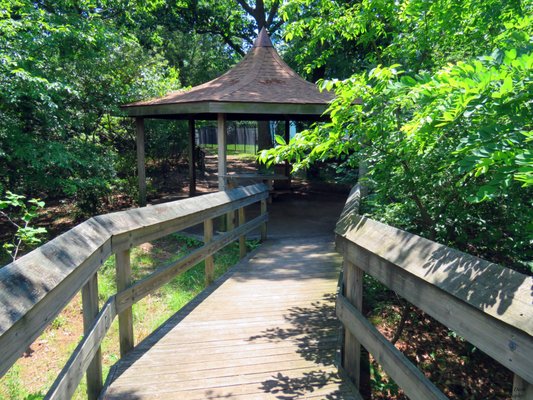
x,y
260,87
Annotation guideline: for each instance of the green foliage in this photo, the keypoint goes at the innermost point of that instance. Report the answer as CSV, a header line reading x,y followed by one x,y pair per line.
x,y
342,37
382,383
14,386
64,69
19,214
192,36
447,145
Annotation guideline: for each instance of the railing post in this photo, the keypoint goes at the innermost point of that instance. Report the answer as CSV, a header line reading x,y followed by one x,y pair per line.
x,y
270,184
522,390
89,297
242,239
125,318
264,226
209,261
352,361
230,221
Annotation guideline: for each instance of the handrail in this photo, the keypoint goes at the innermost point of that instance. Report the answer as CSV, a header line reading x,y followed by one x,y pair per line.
x,y
35,288
487,304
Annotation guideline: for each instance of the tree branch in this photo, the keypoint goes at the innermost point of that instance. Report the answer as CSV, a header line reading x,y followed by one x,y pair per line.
x,y
245,38
225,38
272,14
246,7
276,26
9,219
19,243
399,329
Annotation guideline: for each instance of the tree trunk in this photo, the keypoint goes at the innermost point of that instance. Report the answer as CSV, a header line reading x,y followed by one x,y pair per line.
x,y
260,16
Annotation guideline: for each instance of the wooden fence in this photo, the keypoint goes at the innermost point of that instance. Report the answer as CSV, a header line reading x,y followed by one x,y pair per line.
x,y
37,287
488,305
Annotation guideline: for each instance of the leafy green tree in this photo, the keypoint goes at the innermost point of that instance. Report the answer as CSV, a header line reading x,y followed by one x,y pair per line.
x,y
65,67
419,35
448,145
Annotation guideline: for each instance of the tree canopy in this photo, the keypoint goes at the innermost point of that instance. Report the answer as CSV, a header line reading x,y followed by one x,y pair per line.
x,y
444,126
446,115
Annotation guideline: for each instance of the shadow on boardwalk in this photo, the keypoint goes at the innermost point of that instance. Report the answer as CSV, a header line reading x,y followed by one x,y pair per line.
x,y
315,329
265,330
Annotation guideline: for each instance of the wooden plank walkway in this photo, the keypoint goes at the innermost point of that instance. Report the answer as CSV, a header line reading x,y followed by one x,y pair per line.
x,y
265,330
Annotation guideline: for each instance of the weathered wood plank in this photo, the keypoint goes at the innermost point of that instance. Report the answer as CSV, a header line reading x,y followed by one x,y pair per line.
x,y
89,298
511,347
353,286
242,238
170,345
214,382
271,388
350,210
165,274
260,391
397,366
133,227
125,318
522,390
230,220
251,333
264,226
246,111
209,260
222,309
288,340
72,373
154,380
166,356
153,367
31,299
499,292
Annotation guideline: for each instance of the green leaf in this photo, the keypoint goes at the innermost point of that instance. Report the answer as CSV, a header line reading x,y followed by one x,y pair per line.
x,y
280,140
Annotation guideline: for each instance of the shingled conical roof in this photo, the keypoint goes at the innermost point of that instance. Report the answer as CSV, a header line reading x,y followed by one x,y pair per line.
x,y
260,85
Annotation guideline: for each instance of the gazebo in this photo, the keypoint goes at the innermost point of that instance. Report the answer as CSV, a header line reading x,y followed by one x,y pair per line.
x,y
260,87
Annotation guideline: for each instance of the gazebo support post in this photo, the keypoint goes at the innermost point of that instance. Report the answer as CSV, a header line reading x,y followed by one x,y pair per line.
x,y
141,169
287,139
192,158
222,162
226,223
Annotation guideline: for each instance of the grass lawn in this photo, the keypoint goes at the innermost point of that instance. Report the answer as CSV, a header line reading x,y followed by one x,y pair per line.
x,y
244,150
34,373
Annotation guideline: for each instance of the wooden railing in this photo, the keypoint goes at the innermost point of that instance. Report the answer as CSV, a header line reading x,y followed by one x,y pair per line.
x,y
36,288
488,305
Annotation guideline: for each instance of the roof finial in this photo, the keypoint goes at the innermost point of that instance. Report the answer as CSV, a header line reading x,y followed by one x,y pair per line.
x,y
263,40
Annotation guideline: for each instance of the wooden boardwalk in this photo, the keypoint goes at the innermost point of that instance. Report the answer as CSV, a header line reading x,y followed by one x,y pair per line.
x,y
265,330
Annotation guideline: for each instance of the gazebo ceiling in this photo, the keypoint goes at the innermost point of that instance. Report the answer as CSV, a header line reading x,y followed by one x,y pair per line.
x,y
260,87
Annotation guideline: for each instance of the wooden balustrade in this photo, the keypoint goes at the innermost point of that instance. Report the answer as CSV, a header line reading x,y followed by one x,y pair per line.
x,y
488,305
37,287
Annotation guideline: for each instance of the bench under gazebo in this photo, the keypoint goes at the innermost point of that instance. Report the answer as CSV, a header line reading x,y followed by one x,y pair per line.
x,y
260,87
